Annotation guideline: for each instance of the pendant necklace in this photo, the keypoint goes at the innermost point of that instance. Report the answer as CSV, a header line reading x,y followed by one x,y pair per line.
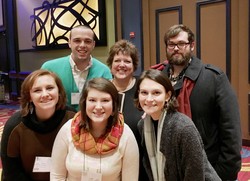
x,y
179,76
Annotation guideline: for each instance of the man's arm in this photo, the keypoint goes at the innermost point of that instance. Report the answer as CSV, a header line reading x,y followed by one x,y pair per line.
x,y
229,161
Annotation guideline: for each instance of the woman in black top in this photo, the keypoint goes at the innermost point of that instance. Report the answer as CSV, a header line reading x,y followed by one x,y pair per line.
x,y
29,134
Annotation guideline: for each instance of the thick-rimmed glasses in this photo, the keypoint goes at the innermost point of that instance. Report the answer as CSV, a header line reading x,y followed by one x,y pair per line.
x,y
180,45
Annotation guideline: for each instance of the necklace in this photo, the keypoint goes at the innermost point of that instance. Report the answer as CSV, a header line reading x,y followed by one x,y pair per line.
x,y
179,76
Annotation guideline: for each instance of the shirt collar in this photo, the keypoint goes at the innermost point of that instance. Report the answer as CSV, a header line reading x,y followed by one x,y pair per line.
x,y
73,64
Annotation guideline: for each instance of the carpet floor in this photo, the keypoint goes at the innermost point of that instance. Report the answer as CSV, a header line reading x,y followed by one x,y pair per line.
x,y
6,110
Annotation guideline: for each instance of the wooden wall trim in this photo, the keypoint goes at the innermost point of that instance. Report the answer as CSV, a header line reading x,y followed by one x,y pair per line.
x,y
118,20
248,113
249,42
157,24
228,31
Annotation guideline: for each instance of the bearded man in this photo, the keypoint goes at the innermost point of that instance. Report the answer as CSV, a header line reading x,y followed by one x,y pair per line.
x,y
205,95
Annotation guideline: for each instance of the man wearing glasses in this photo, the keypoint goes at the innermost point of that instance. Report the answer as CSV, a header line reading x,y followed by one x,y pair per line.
x,y
205,95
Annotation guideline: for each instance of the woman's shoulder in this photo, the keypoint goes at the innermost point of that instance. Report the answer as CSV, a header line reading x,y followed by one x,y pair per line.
x,y
127,129
67,124
178,121
11,124
127,138
178,116
127,132
14,120
69,114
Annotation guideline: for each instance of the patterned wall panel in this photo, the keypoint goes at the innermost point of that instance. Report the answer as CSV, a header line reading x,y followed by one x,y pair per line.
x,y
46,24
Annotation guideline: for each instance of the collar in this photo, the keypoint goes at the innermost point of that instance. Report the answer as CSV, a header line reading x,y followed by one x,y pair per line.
x,y
74,67
43,127
193,70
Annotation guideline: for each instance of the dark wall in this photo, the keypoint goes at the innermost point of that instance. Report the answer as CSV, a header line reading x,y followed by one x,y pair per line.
x,y
11,45
4,64
131,16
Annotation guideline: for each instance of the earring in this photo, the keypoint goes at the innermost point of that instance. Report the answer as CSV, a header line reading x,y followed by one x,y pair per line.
x,y
166,104
31,108
138,105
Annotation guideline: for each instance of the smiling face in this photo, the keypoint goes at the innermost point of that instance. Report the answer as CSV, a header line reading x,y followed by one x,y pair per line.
x,y
44,93
122,66
99,106
152,98
81,43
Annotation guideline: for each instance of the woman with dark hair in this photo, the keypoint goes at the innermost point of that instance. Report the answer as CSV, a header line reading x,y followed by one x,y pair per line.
x,y
96,144
29,134
173,149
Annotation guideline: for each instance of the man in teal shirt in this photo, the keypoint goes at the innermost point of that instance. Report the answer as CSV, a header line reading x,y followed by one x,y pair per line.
x,y
80,66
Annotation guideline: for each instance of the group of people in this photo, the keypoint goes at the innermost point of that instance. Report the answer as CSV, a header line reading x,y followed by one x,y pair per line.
x,y
83,120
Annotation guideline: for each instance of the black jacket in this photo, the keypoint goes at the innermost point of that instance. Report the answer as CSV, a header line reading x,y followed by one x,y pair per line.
x,y
215,112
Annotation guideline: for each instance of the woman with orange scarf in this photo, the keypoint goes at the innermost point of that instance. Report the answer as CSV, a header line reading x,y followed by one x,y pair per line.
x,y
96,144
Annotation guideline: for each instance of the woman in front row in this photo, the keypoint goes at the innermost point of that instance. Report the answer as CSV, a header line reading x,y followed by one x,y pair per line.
x,y
29,134
173,149
96,144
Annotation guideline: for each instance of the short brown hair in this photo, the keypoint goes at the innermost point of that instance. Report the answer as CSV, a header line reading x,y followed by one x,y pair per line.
x,y
127,48
83,27
175,30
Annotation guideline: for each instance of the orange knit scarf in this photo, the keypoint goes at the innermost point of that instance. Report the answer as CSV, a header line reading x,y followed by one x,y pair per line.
x,y
84,140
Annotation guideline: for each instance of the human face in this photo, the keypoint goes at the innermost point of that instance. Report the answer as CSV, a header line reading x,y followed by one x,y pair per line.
x,y
122,66
179,56
81,43
152,98
44,94
99,106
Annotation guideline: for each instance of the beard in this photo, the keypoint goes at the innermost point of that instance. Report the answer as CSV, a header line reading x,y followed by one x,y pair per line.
x,y
179,59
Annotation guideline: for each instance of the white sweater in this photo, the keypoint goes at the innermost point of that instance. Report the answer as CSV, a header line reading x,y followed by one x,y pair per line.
x,y
68,162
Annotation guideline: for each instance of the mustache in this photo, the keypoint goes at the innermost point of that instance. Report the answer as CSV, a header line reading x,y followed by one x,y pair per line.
x,y
176,53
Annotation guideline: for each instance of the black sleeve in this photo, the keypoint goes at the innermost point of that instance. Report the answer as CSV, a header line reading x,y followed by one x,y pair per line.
x,y
229,161
12,167
13,170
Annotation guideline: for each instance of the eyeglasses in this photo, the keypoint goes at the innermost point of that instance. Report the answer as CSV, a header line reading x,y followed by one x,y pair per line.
x,y
180,45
